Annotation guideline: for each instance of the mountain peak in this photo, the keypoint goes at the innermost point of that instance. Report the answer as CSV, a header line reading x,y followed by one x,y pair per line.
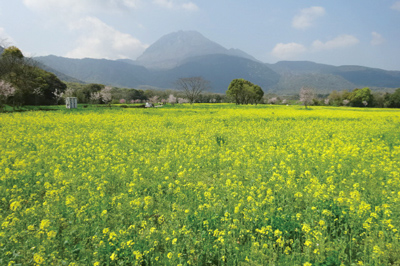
x,y
172,49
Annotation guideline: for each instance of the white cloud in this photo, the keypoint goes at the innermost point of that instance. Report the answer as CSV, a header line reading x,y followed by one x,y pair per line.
x,y
99,40
377,39
396,6
288,50
307,16
173,4
79,6
340,41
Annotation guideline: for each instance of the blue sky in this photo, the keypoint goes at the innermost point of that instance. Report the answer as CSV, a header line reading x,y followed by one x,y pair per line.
x,y
337,32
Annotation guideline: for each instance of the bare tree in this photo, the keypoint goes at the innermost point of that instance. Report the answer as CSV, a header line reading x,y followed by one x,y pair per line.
x,y
306,96
192,87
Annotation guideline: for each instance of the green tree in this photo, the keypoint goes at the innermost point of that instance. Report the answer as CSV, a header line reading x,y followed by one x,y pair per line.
x,y
242,91
32,84
85,93
258,94
361,97
393,100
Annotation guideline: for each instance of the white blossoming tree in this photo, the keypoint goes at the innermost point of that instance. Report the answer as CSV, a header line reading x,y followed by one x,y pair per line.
x,y
6,91
306,96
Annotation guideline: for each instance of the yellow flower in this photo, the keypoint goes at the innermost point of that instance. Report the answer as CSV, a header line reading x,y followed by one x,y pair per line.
x,y
113,256
307,264
38,259
169,255
51,234
44,224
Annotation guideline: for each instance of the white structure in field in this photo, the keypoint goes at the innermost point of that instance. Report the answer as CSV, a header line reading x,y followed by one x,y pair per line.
x,y
71,102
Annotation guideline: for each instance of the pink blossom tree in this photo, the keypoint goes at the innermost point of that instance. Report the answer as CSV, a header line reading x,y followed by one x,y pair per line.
x,y
171,99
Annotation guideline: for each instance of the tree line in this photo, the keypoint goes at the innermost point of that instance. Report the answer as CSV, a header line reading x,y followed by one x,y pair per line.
x,y
24,82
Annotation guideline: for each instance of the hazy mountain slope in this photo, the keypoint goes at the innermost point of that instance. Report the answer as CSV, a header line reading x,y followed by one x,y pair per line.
x,y
300,67
220,70
104,71
290,83
369,77
328,78
172,49
60,75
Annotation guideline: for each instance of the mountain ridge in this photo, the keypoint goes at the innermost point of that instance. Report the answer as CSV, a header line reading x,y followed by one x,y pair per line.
x,y
188,53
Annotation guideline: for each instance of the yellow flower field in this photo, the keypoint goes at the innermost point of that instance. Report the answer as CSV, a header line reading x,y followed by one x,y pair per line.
x,y
200,185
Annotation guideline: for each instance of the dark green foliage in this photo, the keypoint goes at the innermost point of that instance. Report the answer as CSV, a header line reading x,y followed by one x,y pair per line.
x,y
361,97
34,85
242,91
393,100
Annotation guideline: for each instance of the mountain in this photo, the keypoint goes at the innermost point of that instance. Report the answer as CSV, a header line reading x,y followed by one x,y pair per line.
x,y
220,70
109,72
327,77
60,75
188,53
172,49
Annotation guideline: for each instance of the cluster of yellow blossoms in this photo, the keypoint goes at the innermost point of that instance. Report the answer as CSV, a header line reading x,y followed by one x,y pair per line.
x,y
200,185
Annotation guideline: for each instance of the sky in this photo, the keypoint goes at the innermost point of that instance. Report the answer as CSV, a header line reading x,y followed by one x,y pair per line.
x,y
335,32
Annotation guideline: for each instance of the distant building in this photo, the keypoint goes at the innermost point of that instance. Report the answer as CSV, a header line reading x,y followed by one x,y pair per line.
x,y
71,102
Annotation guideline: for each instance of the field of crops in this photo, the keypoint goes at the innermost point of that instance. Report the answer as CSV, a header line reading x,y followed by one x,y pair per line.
x,y
202,185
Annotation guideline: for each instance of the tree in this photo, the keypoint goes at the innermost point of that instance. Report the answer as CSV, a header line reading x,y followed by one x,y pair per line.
x,y
84,94
306,96
359,96
242,91
393,100
171,99
192,87
6,91
258,94
58,95
105,94
33,85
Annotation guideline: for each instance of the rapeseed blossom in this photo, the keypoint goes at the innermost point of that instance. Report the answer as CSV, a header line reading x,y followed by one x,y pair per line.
x,y
217,184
